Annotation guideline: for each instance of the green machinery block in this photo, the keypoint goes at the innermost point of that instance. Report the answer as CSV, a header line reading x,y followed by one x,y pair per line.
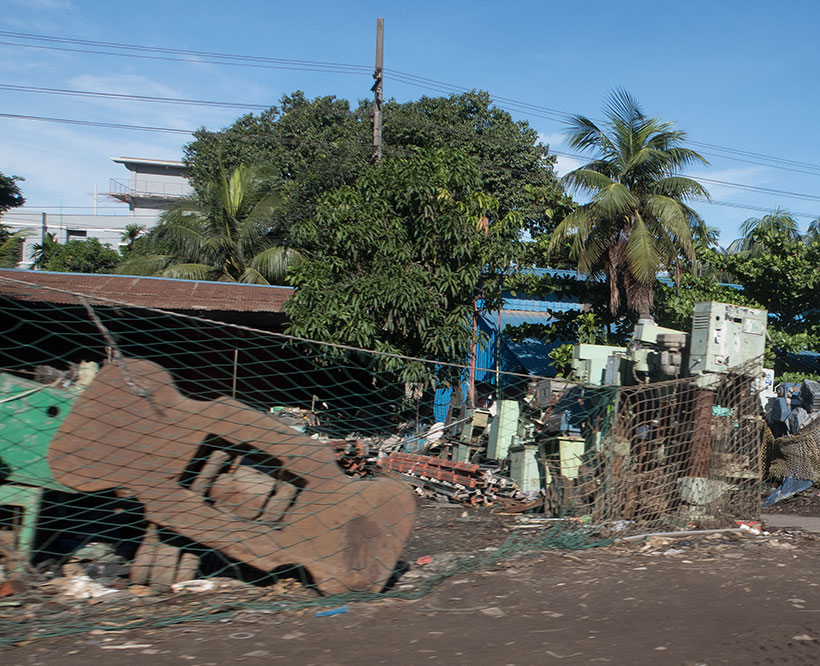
x,y
30,415
526,468
571,452
589,362
726,336
502,429
27,499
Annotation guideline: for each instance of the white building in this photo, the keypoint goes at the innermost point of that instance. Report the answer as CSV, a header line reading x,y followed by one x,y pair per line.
x,y
151,187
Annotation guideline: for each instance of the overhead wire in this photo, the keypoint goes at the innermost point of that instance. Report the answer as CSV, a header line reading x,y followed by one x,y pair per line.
x,y
71,121
135,50
404,77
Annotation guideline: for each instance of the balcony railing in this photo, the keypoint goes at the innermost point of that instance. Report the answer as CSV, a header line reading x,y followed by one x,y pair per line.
x,y
148,188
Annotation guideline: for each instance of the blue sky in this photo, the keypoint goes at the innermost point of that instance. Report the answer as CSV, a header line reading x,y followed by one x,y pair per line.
x,y
737,75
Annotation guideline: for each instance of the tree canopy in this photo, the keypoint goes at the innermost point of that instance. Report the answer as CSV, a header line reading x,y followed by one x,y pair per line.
x,y
81,256
395,261
310,147
11,244
10,194
754,231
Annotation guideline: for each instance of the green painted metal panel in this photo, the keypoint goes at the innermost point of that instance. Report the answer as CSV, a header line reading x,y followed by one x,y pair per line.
x,y
30,415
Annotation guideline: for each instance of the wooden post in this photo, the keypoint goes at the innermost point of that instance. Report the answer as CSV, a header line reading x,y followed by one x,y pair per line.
x,y
378,98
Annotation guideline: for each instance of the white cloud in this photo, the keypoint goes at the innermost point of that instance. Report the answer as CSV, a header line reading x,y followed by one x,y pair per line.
x,y
553,139
63,164
564,163
753,176
127,84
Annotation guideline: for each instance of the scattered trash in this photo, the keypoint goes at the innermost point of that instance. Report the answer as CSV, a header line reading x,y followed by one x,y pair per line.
x,y
82,587
332,611
425,559
749,527
788,488
195,585
11,587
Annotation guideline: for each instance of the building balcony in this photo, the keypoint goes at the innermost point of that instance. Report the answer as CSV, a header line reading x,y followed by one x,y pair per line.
x,y
154,194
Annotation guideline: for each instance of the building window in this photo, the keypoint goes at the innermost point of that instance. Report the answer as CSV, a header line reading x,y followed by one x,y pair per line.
x,y
75,234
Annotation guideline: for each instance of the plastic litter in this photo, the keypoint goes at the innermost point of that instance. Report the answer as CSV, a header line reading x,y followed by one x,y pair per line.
x,y
332,611
82,587
195,585
789,487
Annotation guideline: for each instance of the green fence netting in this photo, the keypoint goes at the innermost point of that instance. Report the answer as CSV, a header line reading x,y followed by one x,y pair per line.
x,y
158,468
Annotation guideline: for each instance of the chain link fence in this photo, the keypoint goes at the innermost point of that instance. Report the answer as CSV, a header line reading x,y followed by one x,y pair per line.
x,y
144,451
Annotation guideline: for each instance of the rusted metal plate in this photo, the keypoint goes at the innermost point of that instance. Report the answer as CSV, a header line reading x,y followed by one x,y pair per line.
x,y
348,533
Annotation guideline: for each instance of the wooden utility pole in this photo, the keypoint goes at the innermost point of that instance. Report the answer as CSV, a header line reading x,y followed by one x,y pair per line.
x,y
378,99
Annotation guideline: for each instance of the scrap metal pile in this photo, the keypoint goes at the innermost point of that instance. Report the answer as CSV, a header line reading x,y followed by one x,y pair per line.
x,y
469,483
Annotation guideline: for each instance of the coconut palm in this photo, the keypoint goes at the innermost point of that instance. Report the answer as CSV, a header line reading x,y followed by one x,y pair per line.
x,y
637,222
225,233
754,229
131,232
812,235
40,252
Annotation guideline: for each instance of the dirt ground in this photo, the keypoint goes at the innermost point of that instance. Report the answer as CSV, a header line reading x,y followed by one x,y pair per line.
x,y
699,600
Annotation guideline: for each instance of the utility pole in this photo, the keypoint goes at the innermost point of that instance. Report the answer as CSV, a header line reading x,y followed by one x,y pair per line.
x,y
378,99
43,231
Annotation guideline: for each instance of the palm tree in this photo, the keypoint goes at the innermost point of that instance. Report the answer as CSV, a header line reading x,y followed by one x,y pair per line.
x,y
224,233
43,250
131,232
813,233
752,231
637,222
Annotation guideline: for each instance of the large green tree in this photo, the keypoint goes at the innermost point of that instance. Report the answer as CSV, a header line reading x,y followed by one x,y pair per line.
x,y
396,261
10,194
637,221
304,147
310,147
226,232
11,244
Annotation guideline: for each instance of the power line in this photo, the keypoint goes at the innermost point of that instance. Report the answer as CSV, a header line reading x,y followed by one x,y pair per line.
x,y
93,123
157,49
70,121
234,63
136,98
249,105
404,77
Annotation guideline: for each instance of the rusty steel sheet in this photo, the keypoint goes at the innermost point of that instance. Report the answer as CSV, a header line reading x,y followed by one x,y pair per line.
x,y
170,452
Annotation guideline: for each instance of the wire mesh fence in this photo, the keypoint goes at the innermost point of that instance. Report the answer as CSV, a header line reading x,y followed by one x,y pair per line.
x,y
147,450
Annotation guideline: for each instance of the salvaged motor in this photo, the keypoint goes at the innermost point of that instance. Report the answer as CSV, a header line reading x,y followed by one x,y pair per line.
x,y
217,474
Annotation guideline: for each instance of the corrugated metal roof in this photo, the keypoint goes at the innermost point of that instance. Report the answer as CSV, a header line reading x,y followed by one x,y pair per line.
x,y
161,293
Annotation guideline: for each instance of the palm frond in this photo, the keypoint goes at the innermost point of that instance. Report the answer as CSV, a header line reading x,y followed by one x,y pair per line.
x,y
146,264
274,262
190,272
588,180
641,253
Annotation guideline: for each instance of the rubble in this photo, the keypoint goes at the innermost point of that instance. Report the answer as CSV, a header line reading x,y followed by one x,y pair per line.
x,y
469,483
